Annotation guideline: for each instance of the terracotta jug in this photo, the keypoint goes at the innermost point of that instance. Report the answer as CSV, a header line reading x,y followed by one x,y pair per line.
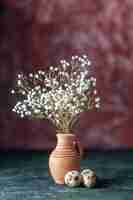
x,y
65,157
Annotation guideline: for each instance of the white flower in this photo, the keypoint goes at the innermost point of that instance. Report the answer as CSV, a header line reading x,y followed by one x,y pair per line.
x,y
97,99
36,76
36,111
19,82
41,72
97,105
82,104
93,79
23,92
37,87
94,84
62,62
12,91
56,69
22,115
51,68
19,75
31,75
89,63
49,116
28,113
95,91
84,56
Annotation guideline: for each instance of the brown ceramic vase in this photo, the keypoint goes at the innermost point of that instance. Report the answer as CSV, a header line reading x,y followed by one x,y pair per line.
x,y
65,157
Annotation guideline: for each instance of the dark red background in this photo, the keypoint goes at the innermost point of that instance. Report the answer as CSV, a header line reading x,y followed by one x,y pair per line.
x,y
37,33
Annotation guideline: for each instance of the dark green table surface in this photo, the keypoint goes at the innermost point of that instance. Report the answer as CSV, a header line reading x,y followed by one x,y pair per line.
x,y
24,176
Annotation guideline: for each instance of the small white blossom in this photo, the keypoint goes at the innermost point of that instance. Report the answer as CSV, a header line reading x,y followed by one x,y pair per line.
x,y
93,79
28,113
51,68
36,76
19,75
12,91
95,92
23,92
89,63
19,82
31,75
84,56
22,115
97,99
40,72
97,105
94,84
37,87
36,111
56,69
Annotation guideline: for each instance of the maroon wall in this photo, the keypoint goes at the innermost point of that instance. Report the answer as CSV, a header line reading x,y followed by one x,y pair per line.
x,y
34,34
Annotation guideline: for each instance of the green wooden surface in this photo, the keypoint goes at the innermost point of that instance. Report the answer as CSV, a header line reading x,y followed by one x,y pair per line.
x,y
24,176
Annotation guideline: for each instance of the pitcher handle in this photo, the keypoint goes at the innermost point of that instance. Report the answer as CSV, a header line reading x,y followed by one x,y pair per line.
x,y
78,147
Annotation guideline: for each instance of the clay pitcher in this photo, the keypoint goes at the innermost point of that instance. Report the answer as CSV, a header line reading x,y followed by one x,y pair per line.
x,y
65,157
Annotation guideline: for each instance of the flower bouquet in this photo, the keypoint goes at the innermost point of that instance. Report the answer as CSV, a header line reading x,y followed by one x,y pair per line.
x,y
58,93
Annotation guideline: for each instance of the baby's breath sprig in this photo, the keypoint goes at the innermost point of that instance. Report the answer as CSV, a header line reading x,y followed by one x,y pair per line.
x,y
58,94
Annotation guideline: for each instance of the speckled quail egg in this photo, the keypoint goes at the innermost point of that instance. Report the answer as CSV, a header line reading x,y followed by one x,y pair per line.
x,y
88,178
73,178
